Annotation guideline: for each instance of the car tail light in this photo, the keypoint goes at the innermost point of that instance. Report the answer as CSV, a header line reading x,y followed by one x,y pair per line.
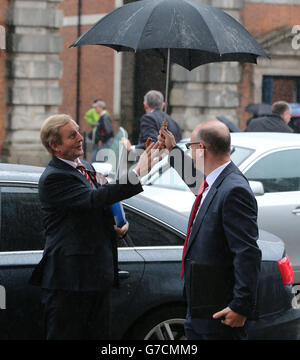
x,y
286,271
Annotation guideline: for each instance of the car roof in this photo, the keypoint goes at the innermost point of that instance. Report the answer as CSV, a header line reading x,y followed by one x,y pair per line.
x,y
262,140
18,172
265,140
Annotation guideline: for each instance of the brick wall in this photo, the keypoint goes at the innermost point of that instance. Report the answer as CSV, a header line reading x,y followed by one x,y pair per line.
x,y
88,6
97,64
260,18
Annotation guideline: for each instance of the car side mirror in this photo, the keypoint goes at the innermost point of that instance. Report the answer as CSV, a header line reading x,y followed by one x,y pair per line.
x,y
257,187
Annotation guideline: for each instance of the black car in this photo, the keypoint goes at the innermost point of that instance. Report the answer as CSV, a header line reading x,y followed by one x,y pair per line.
x,y
148,303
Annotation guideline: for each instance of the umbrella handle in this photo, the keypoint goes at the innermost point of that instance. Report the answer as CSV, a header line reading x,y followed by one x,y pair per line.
x,y
167,84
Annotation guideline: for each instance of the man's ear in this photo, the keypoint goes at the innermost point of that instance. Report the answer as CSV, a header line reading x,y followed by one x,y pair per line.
x,y
146,107
54,147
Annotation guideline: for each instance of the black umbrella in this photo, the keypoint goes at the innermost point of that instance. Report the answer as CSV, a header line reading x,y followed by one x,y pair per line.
x,y
231,126
259,109
181,31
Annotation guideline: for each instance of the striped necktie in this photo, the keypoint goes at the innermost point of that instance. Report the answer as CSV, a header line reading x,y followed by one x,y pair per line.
x,y
90,175
203,186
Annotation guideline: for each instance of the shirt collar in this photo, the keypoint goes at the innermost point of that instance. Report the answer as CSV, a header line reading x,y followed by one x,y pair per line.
x,y
211,178
72,163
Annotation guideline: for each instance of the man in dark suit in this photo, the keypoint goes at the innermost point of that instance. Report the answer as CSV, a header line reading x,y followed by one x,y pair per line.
x,y
277,121
151,121
104,134
222,235
78,268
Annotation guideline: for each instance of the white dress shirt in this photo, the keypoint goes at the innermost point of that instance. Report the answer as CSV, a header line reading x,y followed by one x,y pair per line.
x,y
72,163
210,179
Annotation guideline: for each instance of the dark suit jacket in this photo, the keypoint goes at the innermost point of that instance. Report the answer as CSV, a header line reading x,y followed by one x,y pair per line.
x,y
268,123
104,129
150,125
79,252
225,233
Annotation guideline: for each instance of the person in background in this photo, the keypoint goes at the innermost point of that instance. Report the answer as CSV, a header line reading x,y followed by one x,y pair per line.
x,y
104,130
119,133
277,121
151,121
92,116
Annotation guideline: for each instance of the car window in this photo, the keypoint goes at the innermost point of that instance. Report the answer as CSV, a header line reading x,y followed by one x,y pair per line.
x,y
146,232
239,154
21,222
279,171
169,178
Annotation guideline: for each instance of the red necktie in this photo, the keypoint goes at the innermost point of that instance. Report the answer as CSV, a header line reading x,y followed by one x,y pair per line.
x,y
88,174
203,186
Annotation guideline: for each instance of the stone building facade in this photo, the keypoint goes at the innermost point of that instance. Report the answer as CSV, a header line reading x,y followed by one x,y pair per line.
x,y
40,75
32,72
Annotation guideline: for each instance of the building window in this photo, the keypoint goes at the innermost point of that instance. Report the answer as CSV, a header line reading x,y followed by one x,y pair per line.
x,y
285,88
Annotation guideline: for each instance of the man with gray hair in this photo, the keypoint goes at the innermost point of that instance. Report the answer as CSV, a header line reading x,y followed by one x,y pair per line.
x,y
79,264
277,121
151,121
104,134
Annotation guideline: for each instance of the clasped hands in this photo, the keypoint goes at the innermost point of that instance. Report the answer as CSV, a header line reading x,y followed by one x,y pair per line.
x,y
153,154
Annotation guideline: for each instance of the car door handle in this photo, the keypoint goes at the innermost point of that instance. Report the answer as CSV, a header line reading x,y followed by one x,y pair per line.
x,y
296,211
123,274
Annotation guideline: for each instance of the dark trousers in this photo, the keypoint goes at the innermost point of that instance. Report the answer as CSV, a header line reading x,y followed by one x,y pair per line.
x,y
223,333
76,315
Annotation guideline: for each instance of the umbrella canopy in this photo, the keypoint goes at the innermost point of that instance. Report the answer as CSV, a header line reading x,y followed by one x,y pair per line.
x,y
195,33
231,126
259,109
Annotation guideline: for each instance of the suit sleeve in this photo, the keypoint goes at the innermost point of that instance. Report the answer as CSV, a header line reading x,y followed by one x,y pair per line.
x,y
148,128
66,191
241,231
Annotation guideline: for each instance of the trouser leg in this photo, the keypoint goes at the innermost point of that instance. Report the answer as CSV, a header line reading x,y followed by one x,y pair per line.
x,y
76,315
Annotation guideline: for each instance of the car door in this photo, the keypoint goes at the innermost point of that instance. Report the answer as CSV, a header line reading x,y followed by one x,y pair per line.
x,y
279,207
21,244
131,266
160,247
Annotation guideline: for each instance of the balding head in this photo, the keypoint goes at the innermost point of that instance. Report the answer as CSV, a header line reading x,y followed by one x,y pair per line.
x,y
215,137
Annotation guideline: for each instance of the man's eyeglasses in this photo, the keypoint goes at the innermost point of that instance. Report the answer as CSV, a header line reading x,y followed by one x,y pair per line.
x,y
188,145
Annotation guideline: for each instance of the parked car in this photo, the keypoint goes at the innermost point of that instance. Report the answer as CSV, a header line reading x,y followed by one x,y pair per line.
x,y
148,303
271,163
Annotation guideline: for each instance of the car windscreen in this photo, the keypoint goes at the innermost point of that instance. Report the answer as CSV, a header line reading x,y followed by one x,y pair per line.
x,y
239,154
163,175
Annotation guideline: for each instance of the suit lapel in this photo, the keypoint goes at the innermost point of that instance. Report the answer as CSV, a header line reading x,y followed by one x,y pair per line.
x,y
55,162
207,201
